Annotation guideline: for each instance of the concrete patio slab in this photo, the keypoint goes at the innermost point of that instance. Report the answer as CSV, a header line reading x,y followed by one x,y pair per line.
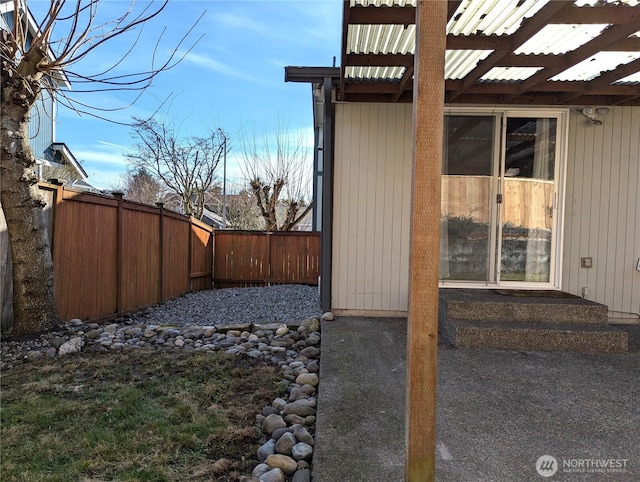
x,y
498,412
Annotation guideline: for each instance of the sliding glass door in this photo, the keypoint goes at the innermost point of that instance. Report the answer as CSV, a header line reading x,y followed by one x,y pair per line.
x,y
500,198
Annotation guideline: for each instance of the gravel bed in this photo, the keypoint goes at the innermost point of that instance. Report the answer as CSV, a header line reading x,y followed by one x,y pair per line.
x,y
265,304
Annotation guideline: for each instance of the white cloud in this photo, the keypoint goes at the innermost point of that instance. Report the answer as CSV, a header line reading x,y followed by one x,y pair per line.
x,y
216,66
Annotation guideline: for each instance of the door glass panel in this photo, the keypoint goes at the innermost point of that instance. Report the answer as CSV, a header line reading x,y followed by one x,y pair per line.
x,y
467,180
528,190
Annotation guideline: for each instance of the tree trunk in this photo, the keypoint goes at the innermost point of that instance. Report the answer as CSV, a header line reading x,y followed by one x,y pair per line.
x,y
34,304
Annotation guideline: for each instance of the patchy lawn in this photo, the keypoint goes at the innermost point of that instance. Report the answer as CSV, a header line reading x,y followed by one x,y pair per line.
x,y
157,415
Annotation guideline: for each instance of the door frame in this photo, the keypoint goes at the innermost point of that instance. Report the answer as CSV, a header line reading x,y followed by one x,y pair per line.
x,y
560,169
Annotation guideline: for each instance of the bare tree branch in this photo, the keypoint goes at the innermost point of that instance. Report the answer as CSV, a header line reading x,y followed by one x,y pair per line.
x,y
279,178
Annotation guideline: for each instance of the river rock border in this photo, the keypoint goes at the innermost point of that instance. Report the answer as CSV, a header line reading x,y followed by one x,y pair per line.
x,y
288,425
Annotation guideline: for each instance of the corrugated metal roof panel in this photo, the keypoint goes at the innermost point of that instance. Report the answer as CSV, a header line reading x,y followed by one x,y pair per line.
x,y
488,17
381,39
510,74
377,73
561,38
459,63
596,64
631,79
492,17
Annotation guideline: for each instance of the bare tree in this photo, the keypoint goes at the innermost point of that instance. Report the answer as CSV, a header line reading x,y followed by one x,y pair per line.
x,y
242,212
187,166
279,179
30,62
140,186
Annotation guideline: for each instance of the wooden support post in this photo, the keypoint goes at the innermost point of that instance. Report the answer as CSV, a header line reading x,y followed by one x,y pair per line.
x,y
422,339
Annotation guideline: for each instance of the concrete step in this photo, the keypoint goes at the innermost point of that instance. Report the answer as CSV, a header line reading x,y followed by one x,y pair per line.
x,y
489,306
505,335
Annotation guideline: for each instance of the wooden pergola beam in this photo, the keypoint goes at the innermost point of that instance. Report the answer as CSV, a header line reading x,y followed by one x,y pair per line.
x,y
611,14
528,28
612,34
383,15
380,60
422,332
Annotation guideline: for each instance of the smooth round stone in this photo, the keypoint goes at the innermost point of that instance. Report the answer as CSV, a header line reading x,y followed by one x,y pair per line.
x,y
266,449
308,389
308,379
302,435
280,432
285,443
272,423
274,475
283,462
300,407
278,404
310,352
260,469
282,331
266,411
328,316
313,339
179,342
313,366
302,475
302,451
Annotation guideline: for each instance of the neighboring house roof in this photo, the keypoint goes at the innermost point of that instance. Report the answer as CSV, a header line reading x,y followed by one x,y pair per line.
x,y
6,23
67,155
583,52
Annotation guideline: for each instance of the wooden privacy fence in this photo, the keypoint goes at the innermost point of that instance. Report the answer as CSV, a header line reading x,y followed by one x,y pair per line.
x,y
249,258
112,256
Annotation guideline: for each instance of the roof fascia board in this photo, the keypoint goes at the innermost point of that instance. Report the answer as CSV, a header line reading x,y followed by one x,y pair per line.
x,y
66,152
310,74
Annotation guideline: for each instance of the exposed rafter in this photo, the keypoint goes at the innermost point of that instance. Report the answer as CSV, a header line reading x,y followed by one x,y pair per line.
x,y
473,87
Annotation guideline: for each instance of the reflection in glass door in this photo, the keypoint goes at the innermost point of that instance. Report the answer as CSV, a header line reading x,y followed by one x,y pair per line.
x,y
467,231
499,192
528,191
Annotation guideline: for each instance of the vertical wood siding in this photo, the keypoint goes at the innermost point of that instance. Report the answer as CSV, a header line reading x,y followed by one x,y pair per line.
x,y
371,207
602,216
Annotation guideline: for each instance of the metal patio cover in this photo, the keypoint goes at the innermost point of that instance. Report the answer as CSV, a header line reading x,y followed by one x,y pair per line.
x,y
528,52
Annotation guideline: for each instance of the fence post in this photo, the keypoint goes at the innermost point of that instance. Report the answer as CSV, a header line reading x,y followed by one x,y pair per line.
x,y
161,253
269,270
119,249
189,254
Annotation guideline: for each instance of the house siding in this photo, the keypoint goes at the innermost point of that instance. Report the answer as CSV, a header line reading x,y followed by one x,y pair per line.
x,y
41,126
372,204
602,212
371,207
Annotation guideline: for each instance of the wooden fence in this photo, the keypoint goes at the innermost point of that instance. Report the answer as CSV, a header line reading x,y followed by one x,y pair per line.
x,y
113,256
249,258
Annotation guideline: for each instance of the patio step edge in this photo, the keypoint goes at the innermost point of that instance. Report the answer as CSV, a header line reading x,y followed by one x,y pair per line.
x,y
535,337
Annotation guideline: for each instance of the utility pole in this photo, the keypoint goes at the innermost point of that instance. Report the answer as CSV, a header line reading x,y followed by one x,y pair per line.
x,y
224,180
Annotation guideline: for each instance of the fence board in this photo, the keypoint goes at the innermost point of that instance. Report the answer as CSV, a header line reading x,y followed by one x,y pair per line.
x,y
248,258
107,255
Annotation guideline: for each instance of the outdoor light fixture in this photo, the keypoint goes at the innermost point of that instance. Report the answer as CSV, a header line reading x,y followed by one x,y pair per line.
x,y
594,114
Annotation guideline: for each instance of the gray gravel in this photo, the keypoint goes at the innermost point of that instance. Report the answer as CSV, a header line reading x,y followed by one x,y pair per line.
x,y
281,303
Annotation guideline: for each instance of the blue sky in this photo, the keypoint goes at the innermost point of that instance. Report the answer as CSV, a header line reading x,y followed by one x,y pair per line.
x,y
233,78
